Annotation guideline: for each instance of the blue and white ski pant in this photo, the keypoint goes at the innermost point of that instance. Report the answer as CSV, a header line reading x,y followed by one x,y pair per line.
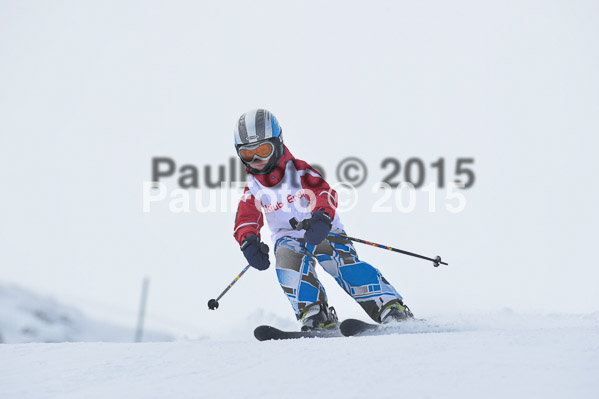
x,y
297,276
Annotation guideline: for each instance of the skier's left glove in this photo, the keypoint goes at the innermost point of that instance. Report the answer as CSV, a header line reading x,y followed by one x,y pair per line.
x,y
319,228
256,252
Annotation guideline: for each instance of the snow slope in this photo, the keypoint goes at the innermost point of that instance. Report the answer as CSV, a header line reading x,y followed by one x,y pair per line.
x,y
29,317
503,355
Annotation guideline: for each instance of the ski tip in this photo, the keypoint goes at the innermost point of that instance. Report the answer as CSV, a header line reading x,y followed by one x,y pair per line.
x,y
264,333
351,327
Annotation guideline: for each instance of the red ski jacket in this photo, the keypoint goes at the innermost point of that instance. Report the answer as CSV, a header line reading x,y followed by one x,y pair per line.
x,y
292,189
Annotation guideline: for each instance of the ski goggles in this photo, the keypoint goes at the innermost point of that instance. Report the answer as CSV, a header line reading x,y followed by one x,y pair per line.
x,y
251,152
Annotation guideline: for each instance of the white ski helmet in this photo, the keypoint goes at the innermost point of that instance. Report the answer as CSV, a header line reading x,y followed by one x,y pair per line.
x,y
258,135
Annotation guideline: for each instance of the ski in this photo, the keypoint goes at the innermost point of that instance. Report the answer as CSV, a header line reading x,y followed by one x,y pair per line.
x,y
266,333
355,327
351,327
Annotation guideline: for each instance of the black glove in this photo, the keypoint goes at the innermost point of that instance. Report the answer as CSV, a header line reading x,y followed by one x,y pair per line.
x,y
255,252
319,228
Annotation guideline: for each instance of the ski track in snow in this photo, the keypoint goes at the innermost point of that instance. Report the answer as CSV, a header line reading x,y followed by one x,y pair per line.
x,y
491,356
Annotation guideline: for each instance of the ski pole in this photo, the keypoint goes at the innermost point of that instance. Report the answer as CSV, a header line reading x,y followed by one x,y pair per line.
x,y
436,261
213,303
304,224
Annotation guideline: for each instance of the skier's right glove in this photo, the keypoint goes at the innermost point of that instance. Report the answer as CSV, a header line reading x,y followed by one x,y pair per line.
x,y
255,252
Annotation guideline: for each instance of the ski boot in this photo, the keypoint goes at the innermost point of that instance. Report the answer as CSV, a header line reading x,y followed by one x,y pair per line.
x,y
318,316
395,311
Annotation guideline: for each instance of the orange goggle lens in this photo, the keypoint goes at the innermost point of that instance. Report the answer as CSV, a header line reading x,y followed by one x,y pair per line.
x,y
263,151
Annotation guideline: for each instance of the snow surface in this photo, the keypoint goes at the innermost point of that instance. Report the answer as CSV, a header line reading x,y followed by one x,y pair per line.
x,y
501,355
92,91
29,317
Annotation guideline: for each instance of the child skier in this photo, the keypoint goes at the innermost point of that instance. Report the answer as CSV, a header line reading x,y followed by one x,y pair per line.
x,y
285,187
